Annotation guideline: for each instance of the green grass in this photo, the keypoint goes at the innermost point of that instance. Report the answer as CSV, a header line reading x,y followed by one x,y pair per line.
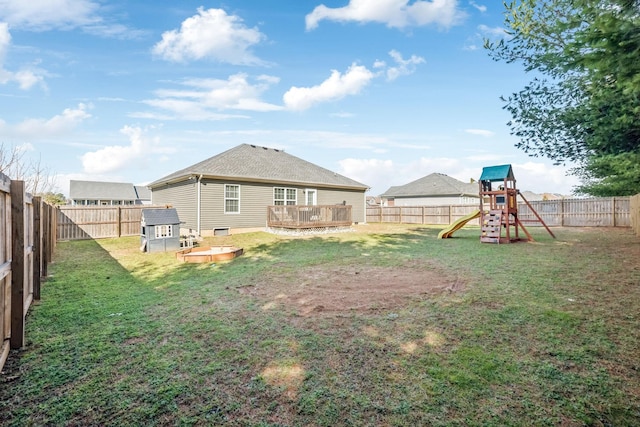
x,y
545,333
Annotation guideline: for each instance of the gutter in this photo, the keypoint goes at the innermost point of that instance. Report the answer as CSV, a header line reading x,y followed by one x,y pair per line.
x,y
199,201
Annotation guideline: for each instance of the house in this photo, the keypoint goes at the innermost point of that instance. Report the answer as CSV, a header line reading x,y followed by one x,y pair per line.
x,y
160,230
432,190
83,193
231,191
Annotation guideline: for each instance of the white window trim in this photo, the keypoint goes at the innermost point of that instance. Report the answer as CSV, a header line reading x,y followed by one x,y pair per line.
x,y
315,196
164,231
285,200
229,198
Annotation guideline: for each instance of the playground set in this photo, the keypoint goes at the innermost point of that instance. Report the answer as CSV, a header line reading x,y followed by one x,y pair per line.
x,y
498,211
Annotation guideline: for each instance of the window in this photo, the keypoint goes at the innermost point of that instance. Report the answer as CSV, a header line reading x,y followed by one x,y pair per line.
x,y
231,198
164,231
311,197
285,196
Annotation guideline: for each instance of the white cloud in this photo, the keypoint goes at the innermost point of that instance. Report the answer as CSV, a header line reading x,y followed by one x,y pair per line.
x,y
541,177
211,34
371,172
337,86
203,99
117,157
404,66
25,78
480,132
491,32
393,13
47,14
41,129
482,8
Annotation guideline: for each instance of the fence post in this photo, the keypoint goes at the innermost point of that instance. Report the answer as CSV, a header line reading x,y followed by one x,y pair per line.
x,y
423,215
450,214
613,211
37,246
17,264
119,219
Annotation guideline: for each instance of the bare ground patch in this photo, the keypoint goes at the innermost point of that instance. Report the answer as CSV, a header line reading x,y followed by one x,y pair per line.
x,y
344,289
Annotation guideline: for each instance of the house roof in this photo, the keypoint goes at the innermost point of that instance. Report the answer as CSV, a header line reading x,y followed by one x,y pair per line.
x,y
143,192
98,190
497,173
254,163
160,216
435,184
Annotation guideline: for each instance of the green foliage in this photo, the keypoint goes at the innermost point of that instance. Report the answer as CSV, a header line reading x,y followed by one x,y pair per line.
x,y
584,103
55,199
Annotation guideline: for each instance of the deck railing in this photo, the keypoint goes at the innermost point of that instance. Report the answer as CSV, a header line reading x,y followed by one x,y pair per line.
x,y
298,216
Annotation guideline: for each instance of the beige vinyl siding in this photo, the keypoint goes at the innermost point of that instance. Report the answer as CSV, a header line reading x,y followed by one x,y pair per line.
x,y
183,197
351,197
254,199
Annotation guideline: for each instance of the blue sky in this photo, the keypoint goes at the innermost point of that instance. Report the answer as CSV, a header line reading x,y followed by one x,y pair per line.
x,y
381,91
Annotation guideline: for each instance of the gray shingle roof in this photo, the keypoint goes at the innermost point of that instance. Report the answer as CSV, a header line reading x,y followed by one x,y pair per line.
x,y
143,192
160,216
97,190
253,163
435,184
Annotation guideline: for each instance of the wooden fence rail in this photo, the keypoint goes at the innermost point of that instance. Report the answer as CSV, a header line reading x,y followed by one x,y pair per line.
x,y
27,233
303,216
593,212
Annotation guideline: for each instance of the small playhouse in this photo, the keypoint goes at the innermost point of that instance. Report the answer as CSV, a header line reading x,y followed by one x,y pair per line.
x,y
160,230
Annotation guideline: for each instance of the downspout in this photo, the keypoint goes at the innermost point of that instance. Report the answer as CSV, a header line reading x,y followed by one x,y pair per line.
x,y
199,196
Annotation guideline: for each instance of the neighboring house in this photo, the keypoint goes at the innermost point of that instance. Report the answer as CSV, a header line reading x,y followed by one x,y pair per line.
x,y
432,190
98,193
233,189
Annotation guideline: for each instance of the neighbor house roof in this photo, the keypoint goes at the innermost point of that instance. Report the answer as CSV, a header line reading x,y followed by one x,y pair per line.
x,y
97,190
143,192
435,184
160,216
497,173
254,163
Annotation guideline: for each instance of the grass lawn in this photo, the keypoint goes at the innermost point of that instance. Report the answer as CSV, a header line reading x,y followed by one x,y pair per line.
x,y
384,326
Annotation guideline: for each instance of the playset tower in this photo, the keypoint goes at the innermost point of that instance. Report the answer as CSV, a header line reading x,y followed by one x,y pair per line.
x,y
499,206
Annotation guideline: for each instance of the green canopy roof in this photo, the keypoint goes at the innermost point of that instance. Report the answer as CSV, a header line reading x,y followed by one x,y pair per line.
x,y
497,173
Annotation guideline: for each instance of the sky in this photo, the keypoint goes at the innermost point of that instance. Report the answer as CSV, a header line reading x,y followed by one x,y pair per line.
x,y
382,91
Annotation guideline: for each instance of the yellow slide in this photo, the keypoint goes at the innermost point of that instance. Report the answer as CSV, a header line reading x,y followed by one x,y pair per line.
x,y
448,232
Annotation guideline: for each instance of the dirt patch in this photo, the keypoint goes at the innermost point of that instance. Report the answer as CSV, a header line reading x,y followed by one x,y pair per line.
x,y
325,290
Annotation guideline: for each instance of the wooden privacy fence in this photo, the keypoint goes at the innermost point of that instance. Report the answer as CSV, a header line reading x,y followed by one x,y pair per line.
x,y
95,222
634,207
27,232
593,212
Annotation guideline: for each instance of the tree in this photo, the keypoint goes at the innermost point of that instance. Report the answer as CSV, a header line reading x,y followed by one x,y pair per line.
x,y
583,105
54,199
37,178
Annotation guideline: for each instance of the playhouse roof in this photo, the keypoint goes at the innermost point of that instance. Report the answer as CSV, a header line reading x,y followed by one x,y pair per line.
x,y
160,216
497,173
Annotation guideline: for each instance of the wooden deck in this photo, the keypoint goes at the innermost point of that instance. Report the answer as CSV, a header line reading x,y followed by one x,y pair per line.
x,y
300,217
